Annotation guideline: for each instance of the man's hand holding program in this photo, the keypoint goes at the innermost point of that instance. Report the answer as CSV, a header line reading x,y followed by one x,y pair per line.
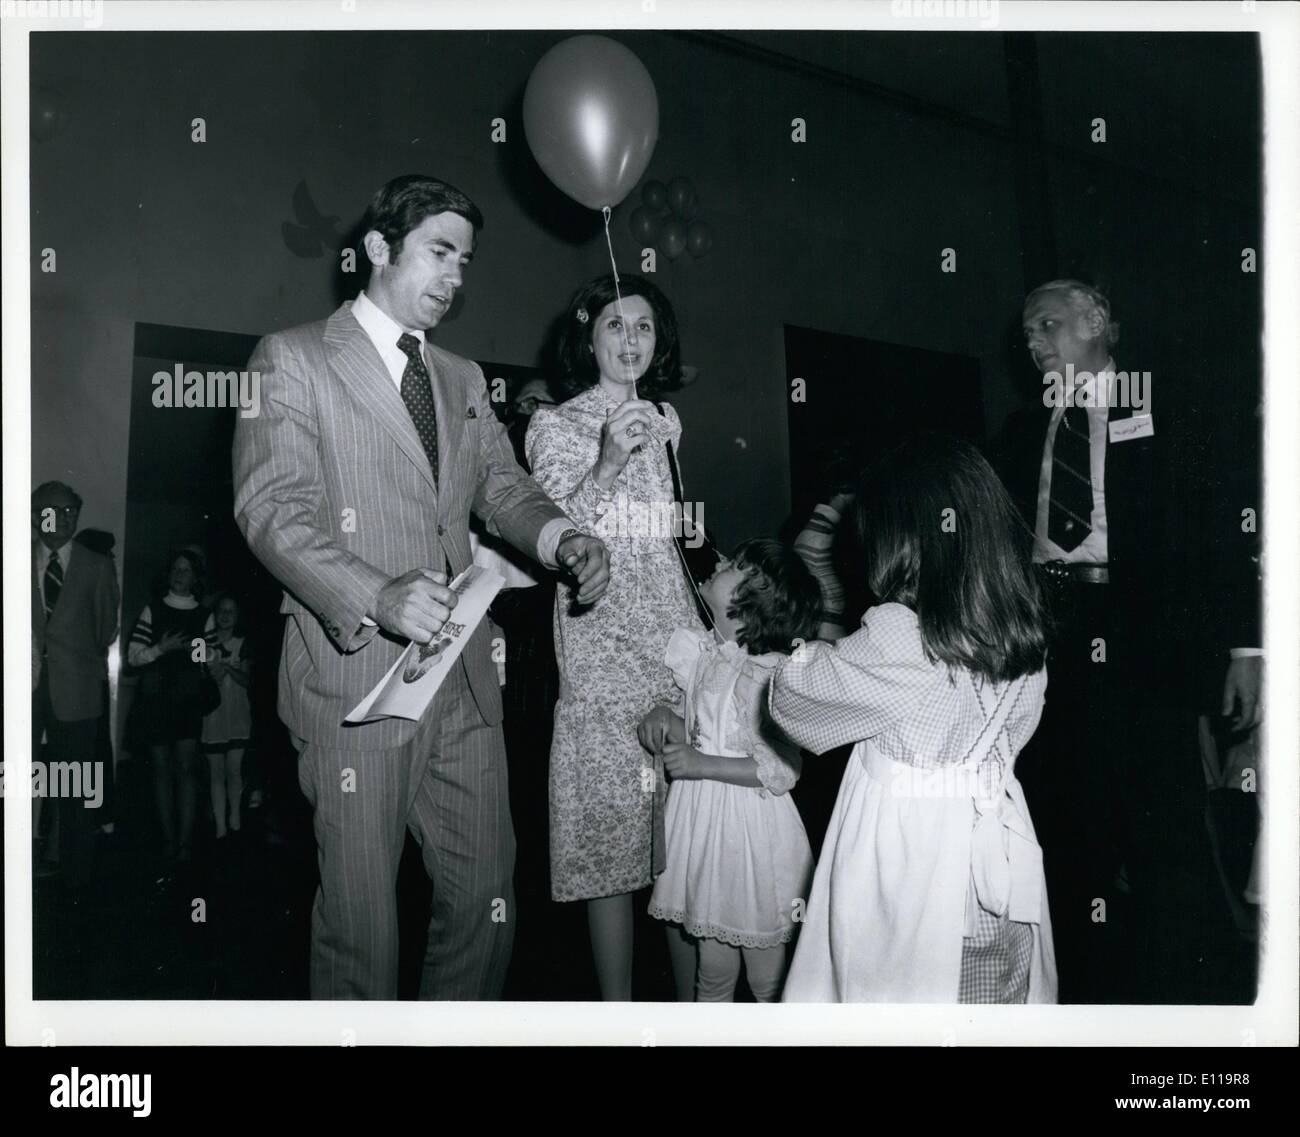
x,y
414,605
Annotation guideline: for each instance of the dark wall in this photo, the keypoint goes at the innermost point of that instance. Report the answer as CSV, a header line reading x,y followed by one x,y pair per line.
x,y
843,233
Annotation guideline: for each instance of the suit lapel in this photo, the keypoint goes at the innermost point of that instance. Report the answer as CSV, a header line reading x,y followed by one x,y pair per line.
x,y
67,591
38,599
444,370
354,357
1128,490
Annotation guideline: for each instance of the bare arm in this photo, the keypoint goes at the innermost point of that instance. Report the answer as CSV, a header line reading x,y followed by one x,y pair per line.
x,y
685,763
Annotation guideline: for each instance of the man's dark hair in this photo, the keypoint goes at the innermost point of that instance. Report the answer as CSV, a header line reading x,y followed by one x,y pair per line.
x,y
576,368
778,602
402,205
942,537
45,487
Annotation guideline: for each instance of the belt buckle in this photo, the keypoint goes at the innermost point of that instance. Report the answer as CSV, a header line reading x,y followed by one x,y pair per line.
x,y
1058,571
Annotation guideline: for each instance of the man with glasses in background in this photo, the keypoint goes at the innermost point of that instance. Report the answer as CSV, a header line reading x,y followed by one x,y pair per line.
x,y
74,620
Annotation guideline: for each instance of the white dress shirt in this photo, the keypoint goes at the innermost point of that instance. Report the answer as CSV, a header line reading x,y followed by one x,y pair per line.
x,y
1093,548
384,332
43,555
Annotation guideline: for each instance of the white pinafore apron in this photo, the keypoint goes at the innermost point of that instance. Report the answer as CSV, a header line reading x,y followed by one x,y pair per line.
x,y
908,855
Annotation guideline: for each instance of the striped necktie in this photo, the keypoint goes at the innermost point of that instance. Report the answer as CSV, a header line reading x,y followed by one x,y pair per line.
x,y
52,584
417,394
1069,514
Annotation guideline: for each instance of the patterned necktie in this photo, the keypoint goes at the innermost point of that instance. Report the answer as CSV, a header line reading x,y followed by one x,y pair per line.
x,y
1069,514
417,393
52,584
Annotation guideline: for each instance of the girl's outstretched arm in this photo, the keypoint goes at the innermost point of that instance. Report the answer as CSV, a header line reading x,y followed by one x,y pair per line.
x,y
827,695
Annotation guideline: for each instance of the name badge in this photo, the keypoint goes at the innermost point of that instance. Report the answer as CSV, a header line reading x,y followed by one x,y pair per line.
x,y
1138,426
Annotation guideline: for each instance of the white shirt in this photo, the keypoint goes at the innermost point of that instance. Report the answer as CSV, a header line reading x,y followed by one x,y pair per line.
x,y
1093,548
384,332
43,555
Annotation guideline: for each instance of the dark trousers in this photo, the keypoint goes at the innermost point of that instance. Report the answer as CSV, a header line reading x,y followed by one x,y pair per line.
x,y
69,742
1082,774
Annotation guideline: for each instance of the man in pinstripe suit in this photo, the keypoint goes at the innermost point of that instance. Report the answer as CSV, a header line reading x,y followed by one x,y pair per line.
x,y
354,486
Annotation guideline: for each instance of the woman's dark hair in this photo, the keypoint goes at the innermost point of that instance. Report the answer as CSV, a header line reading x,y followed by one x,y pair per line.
x,y
161,584
575,364
402,204
941,535
778,602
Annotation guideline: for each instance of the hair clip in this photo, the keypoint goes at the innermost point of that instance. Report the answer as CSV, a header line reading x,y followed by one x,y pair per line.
x,y
581,313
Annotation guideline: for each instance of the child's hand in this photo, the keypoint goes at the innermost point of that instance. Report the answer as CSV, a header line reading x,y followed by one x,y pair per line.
x,y
659,727
683,762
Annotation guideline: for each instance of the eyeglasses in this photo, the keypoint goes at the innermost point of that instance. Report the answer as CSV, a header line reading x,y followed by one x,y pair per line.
x,y
61,510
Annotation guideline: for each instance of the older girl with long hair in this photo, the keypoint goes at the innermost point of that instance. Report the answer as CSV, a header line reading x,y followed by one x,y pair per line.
x,y
930,884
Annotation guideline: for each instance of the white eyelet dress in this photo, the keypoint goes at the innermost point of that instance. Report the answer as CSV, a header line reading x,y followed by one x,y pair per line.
x,y
739,863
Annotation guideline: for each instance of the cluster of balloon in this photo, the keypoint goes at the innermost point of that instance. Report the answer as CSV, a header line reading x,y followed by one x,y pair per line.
x,y
667,217
591,117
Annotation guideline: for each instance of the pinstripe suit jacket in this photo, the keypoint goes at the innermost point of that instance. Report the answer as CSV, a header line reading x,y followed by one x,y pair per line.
x,y
334,494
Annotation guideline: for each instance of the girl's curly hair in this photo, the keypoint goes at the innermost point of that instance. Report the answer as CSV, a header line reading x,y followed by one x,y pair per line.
x,y
778,602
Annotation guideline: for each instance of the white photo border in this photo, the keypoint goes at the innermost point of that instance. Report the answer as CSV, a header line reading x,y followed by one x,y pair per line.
x,y
1271,1021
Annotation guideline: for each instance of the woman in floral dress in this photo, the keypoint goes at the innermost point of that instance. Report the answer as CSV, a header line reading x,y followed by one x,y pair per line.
x,y
601,456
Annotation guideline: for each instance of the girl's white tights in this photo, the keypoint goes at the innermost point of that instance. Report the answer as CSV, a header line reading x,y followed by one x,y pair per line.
x,y
720,970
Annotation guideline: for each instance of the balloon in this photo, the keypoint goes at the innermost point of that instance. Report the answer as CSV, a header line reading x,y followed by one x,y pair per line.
x,y
591,116
655,195
682,198
699,238
672,241
645,225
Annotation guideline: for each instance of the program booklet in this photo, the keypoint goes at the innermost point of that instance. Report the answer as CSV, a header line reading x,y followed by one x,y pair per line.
x,y
411,683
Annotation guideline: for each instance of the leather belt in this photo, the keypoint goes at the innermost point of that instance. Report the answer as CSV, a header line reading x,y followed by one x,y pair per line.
x,y
1075,572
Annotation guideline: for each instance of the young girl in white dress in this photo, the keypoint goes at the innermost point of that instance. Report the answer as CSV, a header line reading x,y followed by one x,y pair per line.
x,y
738,859
930,883
226,730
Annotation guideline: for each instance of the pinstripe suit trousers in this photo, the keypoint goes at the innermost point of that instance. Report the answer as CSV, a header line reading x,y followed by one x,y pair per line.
x,y
448,786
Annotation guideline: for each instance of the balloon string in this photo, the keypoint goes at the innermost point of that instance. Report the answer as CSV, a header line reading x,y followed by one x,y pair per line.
x,y
618,296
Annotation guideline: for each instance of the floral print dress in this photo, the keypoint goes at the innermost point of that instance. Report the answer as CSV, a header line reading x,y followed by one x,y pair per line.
x,y
606,793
